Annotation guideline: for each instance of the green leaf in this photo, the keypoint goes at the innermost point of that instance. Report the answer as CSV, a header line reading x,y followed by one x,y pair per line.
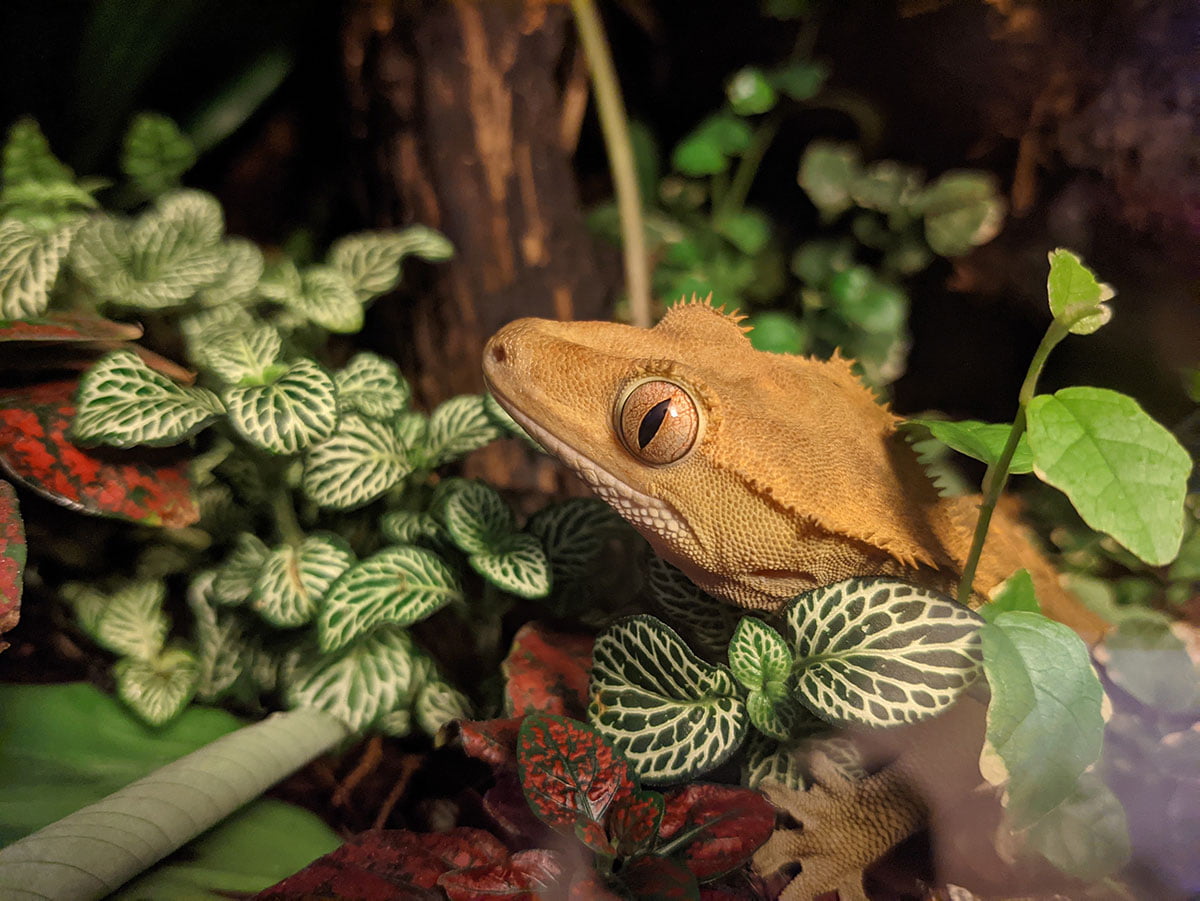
x,y
707,149
516,564
758,656
157,689
773,716
1086,836
437,704
235,579
294,578
880,652
747,230
574,533
30,260
706,618
371,261
411,527
122,402
778,332
801,80
399,585
236,352
1044,722
156,154
749,92
476,517
287,414
1014,593
132,623
371,385
28,158
363,459
1074,291
239,282
886,186
828,173
962,210
672,714
457,427
980,440
360,684
1125,473
327,298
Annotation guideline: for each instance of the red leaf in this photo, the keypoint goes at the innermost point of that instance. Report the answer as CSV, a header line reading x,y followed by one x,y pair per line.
x,y
633,822
492,741
326,878
150,487
571,776
59,327
547,672
729,824
656,878
12,559
526,877
589,885
505,803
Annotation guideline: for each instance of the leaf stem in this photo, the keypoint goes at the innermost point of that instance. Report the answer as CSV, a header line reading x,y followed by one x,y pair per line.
x,y
285,517
743,177
997,474
614,124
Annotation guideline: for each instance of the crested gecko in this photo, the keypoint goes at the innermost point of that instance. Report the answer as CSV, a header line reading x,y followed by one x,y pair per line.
x,y
760,476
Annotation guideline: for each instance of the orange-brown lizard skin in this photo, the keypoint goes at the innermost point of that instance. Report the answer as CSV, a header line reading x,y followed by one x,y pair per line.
x,y
760,476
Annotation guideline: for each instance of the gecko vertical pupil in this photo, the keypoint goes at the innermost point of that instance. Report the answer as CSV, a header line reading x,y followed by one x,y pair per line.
x,y
658,421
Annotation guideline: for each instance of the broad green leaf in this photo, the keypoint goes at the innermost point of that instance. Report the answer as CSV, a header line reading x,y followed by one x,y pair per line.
x,y
1014,593
237,576
516,564
477,518
122,402
773,716
411,527
886,186
980,441
159,688
800,80
224,651
156,154
709,620
457,427
573,533
1125,473
286,415
371,261
1073,289
371,385
1044,721
747,230
707,149
962,210
880,652
828,173
749,92
437,704
235,352
30,260
759,658
1086,836
133,623
361,683
398,585
672,714
294,578
325,297
778,332
361,460
86,602
239,282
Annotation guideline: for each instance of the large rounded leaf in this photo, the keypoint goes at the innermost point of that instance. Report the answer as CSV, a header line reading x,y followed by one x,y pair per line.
x,y
361,460
286,415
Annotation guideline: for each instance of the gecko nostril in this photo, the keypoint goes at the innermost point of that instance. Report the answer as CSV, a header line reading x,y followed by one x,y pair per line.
x,y
499,354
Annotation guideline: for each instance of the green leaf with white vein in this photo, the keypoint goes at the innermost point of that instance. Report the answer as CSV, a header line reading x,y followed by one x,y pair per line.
x,y
879,652
286,415
399,585
371,261
1125,473
411,527
457,427
670,713
325,297
30,260
439,703
235,353
710,621
123,402
776,717
361,460
361,684
156,154
294,578
759,658
1045,723
574,533
517,564
477,518
237,576
372,386
133,623
159,688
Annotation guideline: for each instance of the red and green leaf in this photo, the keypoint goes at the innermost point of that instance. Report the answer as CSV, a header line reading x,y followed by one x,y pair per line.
x,y
492,741
12,558
527,876
655,878
150,487
633,822
714,829
571,777
64,327
547,672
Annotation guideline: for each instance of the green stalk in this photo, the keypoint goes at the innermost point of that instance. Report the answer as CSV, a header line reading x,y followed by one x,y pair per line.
x,y
997,474
743,177
614,124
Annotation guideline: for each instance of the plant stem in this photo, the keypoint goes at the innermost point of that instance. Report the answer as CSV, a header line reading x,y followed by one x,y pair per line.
x,y
743,177
997,474
614,123
285,517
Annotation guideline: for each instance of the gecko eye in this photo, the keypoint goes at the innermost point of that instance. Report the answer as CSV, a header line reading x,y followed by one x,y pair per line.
x,y
658,422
